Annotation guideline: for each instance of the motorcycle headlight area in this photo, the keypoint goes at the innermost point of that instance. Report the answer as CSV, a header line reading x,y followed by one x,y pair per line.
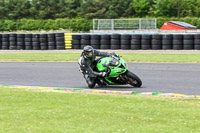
x,y
119,71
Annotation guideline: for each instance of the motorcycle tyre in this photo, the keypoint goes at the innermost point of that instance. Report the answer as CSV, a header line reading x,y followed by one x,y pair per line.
x,y
134,77
91,82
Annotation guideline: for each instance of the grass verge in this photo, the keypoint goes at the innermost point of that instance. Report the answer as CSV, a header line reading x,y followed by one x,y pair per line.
x,y
138,57
28,111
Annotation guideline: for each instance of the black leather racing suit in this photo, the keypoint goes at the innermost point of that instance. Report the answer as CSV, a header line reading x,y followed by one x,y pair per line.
x,y
87,65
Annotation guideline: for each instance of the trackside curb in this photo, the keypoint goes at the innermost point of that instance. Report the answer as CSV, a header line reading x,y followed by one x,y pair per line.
x,y
58,89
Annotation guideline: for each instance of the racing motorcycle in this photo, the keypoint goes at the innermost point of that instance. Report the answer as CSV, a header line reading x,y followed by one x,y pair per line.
x,y
117,72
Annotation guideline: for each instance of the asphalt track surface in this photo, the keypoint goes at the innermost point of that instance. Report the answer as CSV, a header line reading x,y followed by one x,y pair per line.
x,y
182,78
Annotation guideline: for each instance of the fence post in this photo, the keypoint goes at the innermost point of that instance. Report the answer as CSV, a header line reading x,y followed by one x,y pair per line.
x,y
93,24
112,21
98,23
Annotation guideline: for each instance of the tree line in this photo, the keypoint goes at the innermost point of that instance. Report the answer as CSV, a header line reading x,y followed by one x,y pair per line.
x,y
89,9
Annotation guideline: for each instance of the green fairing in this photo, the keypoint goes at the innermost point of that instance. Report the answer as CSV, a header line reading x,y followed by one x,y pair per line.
x,y
115,64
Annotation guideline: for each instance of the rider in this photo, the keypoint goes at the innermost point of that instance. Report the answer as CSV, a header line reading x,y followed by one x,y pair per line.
x,y
87,64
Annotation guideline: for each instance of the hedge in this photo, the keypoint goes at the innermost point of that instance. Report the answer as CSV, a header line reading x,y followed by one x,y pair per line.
x,y
74,24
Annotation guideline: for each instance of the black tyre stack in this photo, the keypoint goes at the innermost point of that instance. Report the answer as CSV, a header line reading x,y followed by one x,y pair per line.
x,y
51,39
60,40
105,42
36,41
146,42
43,41
135,42
20,41
95,41
5,41
85,40
188,41
28,41
197,41
125,41
115,41
76,41
177,41
166,41
13,41
156,42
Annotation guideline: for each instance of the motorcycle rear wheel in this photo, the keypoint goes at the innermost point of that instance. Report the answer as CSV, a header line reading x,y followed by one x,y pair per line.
x,y
133,79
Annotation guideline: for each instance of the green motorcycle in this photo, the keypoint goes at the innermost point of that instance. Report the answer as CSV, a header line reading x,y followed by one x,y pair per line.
x,y
117,72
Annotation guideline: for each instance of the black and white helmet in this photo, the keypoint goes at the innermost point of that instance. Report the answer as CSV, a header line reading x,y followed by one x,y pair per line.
x,y
88,52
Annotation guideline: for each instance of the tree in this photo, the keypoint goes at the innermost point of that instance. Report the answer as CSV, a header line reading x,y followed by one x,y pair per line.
x,y
44,9
67,8
197,9
14,9
93,8
105,9
187,8
3,10
141,7
123,8
163,8
51,9
22,9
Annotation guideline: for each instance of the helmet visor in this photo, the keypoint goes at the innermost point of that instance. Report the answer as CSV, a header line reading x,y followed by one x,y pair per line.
x,y
88,54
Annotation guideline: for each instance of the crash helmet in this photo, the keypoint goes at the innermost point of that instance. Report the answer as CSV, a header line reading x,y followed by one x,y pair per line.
x,y
88,52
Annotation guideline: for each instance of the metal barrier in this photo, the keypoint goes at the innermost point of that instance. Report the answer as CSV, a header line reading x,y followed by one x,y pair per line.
x,y
124,24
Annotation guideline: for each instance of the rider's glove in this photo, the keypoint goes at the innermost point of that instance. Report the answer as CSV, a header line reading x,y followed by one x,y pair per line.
x,y
103,74
116,55
113,54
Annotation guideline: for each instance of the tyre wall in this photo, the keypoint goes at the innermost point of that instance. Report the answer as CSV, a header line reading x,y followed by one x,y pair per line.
x,y
30,41
137,41
61,40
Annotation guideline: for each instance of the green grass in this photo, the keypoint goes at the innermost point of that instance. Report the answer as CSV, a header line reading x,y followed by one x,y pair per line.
x,y
144,57
39,56
23,111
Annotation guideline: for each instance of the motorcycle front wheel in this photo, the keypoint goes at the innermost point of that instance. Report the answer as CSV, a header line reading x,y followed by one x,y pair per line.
x,y
133,79
91,82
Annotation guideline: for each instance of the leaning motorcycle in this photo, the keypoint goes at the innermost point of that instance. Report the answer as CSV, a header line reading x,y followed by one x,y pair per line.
x,y
117,72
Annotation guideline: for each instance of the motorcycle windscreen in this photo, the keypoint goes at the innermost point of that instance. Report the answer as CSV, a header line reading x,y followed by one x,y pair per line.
x,y
114,62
